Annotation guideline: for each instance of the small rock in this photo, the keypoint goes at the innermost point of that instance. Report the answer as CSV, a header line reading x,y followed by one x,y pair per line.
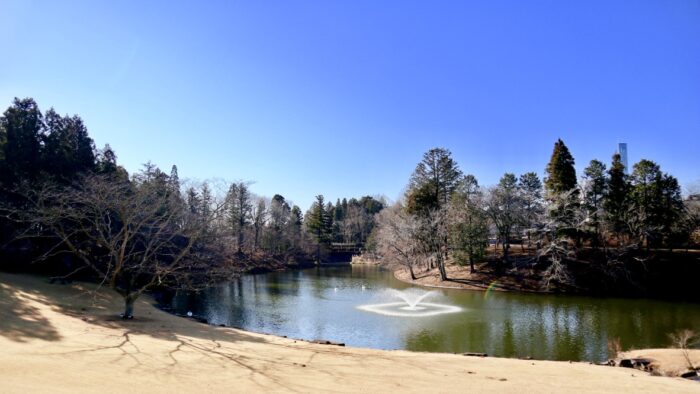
x,y
325,342
639,363
642,363
689,375
626,363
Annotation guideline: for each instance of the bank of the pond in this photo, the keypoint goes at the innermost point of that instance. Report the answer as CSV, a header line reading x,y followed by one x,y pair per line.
x,y
643,273
459,277
61,338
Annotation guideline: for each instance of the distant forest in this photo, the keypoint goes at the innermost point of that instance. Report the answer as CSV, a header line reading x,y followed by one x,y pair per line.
x,y
70,210
612,230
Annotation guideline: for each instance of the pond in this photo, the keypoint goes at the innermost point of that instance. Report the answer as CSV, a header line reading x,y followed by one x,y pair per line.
x,y
340,304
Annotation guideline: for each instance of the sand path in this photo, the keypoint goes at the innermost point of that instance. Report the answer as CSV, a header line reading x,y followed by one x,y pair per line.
x,y
54,339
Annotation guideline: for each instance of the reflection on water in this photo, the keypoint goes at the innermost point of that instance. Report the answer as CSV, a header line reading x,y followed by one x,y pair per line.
x,y
323,304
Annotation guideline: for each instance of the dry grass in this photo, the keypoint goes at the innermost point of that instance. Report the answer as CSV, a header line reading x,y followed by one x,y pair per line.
x,y
614,347
684,340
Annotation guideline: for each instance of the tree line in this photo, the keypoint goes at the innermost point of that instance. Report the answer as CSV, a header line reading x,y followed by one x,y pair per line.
x,y
446,216
74,211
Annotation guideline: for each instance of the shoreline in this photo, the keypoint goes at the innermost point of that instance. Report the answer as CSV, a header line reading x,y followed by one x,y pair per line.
x,y
431,279
55,338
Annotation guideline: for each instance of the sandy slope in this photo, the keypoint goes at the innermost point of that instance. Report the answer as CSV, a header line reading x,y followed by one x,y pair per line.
x,y
53,339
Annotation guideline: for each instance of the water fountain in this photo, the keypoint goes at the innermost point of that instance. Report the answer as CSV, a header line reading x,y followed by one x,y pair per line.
x,y
412,304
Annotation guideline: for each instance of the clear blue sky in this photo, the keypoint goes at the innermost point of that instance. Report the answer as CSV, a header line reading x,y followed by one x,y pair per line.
x,y
342,98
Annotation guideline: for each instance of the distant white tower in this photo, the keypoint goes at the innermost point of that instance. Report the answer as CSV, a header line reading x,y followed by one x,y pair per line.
x,y
622,148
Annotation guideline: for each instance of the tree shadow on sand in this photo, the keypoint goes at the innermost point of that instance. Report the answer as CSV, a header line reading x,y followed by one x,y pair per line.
x,y
22,301
21,321
183,335
183,339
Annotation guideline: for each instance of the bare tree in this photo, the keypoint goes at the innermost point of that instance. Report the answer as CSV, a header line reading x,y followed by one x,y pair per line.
x,y
565,216
396,238
683,340
133,235
434,236
259,213
505,209
692,221
468,222
356,224
530,188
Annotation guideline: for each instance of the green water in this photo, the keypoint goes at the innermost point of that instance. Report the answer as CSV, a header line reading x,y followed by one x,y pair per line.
x,y
323,304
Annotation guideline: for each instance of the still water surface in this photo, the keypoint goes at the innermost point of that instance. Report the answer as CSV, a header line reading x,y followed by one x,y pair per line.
x,y
322,303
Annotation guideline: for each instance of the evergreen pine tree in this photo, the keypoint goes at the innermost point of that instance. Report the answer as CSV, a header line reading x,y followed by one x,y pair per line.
x,y
174,183
21,124
531,192
657,202
294,225
615,200
239,210
433,181
205,201
67,149
597,185
339,213
561,174
318,221
338,217
193,202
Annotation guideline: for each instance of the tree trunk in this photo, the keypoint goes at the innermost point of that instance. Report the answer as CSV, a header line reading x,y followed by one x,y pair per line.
x,y
443,272
129,306
413,275
255,242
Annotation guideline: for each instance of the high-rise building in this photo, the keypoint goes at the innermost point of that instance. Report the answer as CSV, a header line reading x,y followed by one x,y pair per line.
x,y
622,149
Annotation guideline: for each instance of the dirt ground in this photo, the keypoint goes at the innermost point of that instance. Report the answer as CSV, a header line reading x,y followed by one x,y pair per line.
x,y
62,339
460,277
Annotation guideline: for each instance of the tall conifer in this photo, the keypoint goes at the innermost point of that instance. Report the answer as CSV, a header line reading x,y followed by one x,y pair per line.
x,y
615,200
561,174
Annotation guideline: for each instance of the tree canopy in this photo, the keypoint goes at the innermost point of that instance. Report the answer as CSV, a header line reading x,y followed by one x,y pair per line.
x,y
561,174
433,181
